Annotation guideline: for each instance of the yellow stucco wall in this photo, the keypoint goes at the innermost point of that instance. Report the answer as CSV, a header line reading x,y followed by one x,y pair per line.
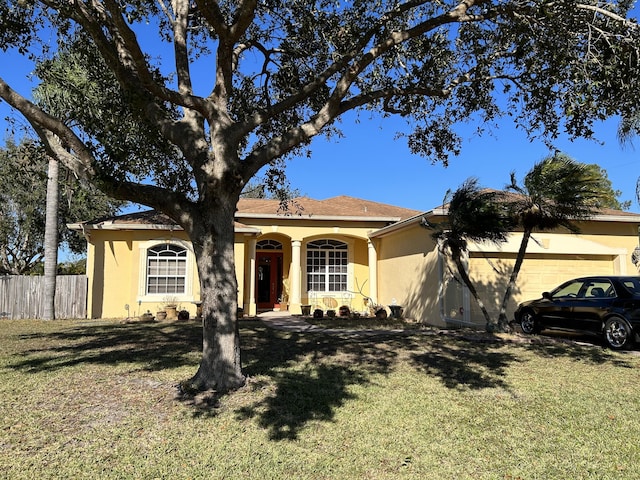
x,y
116,271
410,271
115,264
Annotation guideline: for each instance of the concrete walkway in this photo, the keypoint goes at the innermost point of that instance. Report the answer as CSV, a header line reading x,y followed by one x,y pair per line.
x,y
286,322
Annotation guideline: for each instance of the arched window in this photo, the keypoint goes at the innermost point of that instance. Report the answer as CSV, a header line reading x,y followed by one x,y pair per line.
x,y
268,245
327,266
166,269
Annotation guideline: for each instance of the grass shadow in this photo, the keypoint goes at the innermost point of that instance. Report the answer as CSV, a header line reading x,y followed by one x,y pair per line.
x,y
460,363
584,348
153,347
293,378
310,375
313,393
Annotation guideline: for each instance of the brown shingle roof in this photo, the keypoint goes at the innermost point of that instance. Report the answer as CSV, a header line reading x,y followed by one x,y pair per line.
x,y
148,218
340,206
513,196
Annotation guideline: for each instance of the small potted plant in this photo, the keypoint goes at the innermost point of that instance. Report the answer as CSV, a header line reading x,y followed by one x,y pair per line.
x,y
376,310
282,303
171,307
379,312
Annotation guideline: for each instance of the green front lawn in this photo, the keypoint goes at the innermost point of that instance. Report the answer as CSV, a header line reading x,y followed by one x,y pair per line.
x,y
83,399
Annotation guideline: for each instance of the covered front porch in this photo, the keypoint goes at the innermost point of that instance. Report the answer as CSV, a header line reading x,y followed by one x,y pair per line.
x,y
324,272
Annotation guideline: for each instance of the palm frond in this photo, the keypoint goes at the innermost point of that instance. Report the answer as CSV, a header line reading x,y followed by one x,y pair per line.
x,y
474,214
559,191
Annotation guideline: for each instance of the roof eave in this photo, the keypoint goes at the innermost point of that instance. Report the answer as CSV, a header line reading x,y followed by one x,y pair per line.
x,y
629,218
83,227
442,211
349,218
436,212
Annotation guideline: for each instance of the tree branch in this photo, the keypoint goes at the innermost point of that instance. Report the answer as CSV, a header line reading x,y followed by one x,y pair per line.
x,y
126,60
456,15
58,138
82,164
225,55
192,118
335,105
607,13
180,25
157,197
210,10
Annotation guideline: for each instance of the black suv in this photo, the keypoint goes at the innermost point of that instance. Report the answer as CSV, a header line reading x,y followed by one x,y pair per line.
x,y
604,305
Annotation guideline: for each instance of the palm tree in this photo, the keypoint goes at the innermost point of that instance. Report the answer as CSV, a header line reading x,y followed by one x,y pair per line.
x,y
473,214
556,192
51,241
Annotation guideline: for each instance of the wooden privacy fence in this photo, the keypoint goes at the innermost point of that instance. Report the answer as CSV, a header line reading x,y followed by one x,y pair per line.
x,y
22,296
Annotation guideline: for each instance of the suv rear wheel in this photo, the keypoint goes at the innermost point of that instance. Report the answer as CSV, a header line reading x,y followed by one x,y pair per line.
x,y
618,333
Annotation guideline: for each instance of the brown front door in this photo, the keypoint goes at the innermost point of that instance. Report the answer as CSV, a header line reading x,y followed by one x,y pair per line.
x,y
268,279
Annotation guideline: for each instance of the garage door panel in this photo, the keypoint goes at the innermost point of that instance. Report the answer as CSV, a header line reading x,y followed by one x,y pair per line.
x,y
539,275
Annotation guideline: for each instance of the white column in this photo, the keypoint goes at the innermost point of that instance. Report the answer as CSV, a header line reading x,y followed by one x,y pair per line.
x,y
295,278
373,272
252,308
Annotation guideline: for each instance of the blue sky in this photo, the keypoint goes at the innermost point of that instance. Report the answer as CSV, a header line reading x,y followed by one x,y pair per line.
x,y
370,163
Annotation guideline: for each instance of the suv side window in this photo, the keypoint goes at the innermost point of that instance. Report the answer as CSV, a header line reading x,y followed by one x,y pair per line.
x,y
632,285
599,289
571,290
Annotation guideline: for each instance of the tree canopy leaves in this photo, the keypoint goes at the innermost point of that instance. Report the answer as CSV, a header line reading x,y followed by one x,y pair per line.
x,y
78,88
250,82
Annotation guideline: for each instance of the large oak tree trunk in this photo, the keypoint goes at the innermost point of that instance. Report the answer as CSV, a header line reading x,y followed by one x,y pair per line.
x,y
213,241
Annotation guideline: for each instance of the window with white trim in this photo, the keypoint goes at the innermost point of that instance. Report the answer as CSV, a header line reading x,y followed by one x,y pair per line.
x,y
327,266
166,269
